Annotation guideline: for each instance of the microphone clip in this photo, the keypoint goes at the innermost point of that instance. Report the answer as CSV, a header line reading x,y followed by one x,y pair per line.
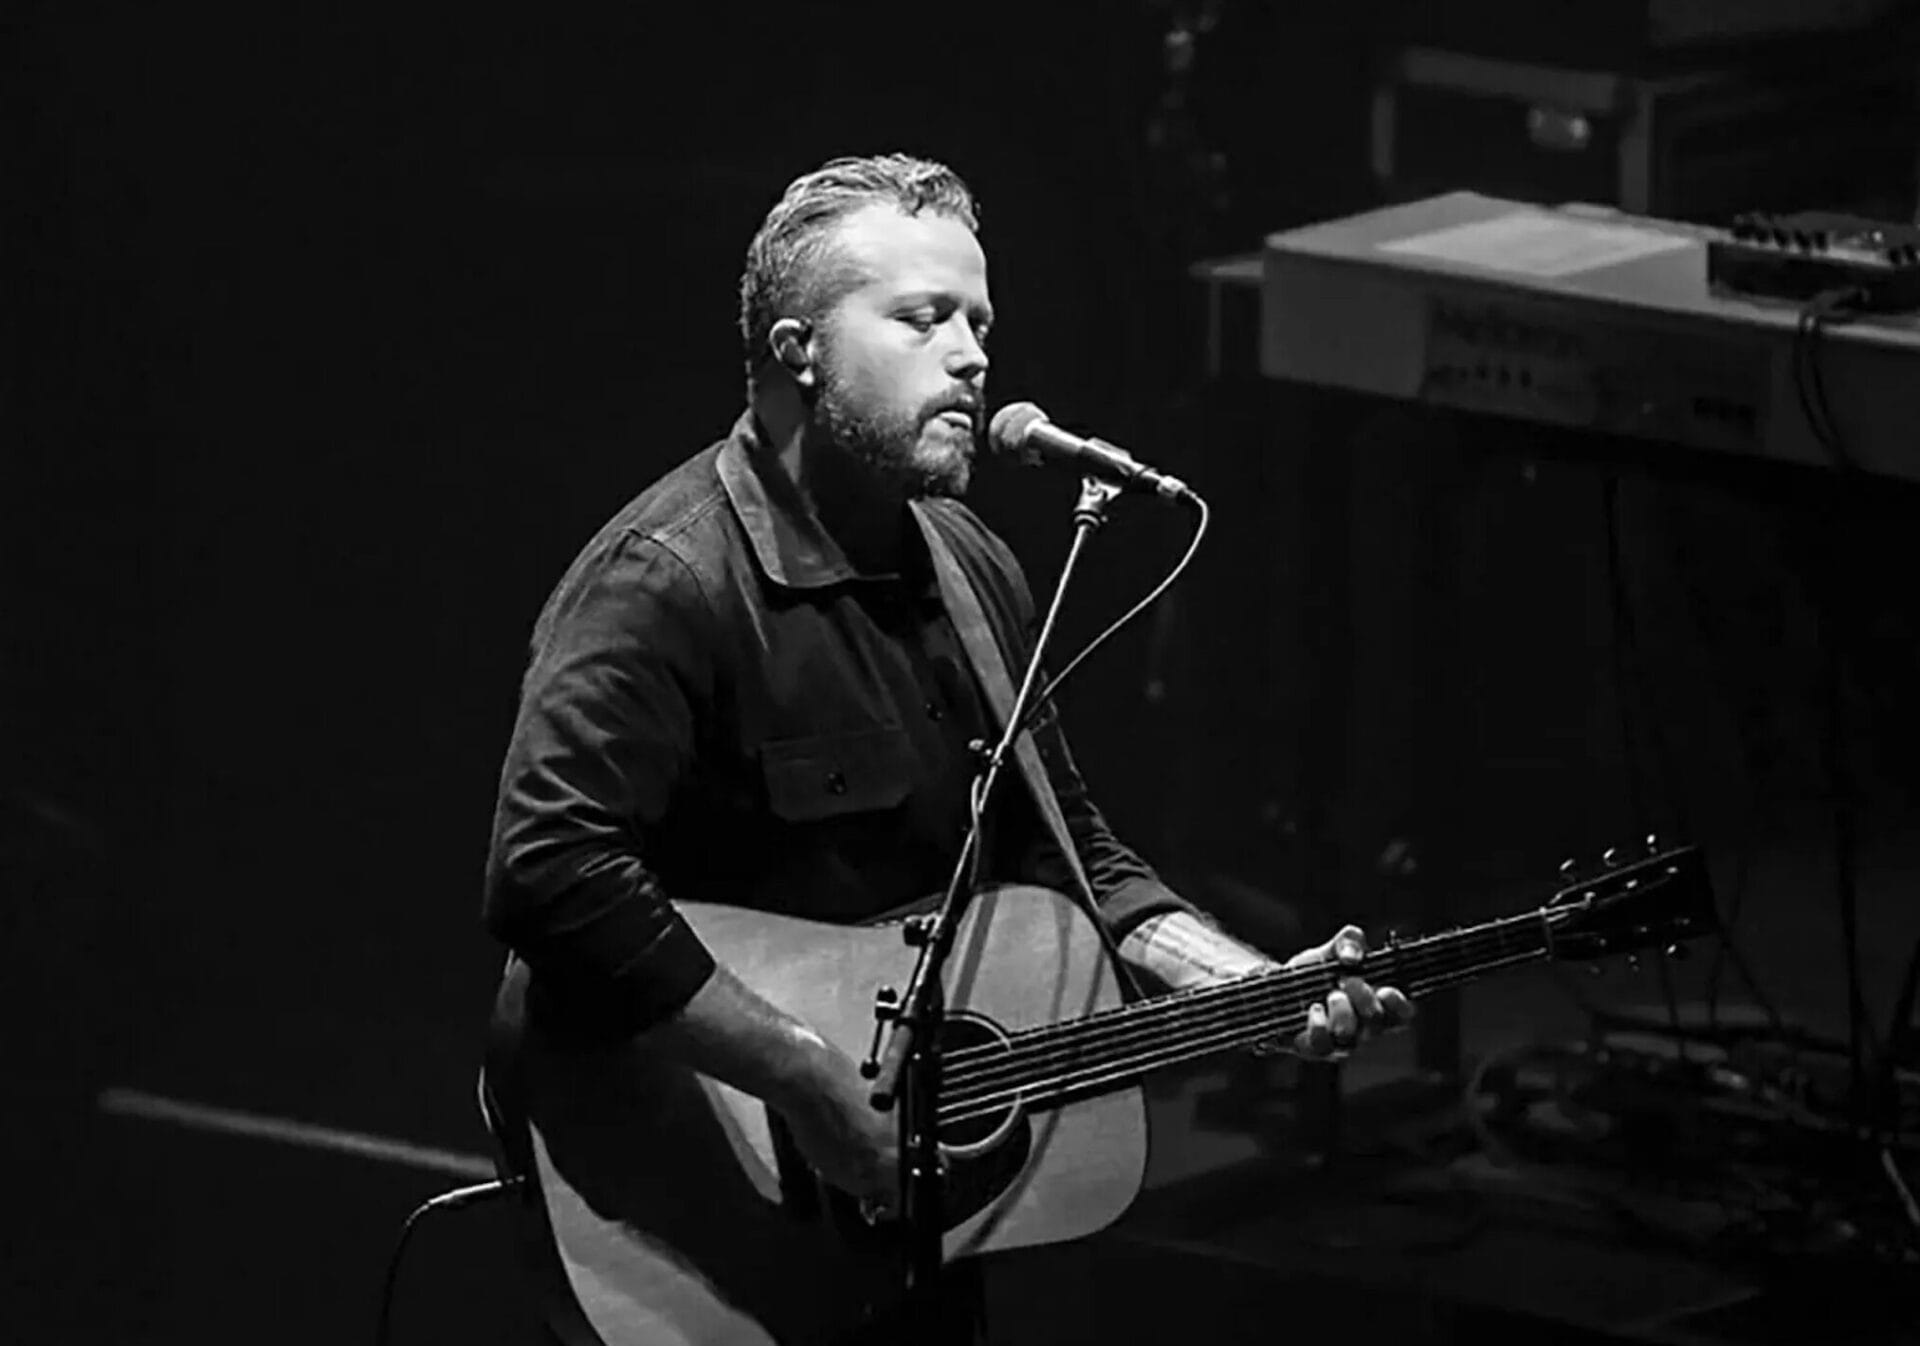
x,y
1095,495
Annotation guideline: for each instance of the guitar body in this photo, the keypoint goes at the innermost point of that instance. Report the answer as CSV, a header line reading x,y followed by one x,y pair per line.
x,y
681,1217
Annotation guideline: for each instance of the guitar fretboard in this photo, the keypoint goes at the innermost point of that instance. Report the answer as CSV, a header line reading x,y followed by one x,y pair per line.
x,y
1081,1057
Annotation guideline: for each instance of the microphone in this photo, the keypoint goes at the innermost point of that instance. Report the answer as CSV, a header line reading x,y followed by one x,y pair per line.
x,y
1023,430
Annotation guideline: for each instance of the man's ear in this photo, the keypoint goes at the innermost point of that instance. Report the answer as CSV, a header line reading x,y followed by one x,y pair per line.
x,y
792,342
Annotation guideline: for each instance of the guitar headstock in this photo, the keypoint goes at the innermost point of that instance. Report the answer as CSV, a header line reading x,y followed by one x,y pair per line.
x,y
1653,898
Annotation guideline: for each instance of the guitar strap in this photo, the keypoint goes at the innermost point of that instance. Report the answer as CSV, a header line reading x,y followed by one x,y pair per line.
x,y
990,668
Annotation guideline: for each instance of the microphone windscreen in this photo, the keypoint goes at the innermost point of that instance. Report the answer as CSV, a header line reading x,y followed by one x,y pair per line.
x,y
1011,426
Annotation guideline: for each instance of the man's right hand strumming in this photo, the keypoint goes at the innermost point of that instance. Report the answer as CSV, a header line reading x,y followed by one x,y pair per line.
x,y
729,1032
848,1141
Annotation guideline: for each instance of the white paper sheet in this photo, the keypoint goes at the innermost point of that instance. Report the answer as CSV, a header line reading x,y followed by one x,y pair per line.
x,y
1535,243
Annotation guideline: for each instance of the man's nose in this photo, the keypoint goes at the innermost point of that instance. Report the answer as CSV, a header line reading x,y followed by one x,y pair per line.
x,y
968,358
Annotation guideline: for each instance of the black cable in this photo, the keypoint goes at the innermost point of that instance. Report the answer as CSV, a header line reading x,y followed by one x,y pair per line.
x,y
1832,307
460,1196
1630,685
1742,882
1806,331
1845,849
1726,947
1774,1020
1616,605
1829,307
1630,666
1901,1037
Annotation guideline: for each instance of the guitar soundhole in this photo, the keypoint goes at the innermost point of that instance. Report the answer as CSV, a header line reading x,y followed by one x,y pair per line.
x,y
964,1033
975,1181
998,1151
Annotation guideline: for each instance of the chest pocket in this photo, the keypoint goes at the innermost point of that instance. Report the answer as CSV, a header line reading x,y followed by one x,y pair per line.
x,y
832,775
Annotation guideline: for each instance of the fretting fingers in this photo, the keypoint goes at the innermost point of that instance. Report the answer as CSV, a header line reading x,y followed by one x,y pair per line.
x,y
1343,1025
1315,1041
1365,1001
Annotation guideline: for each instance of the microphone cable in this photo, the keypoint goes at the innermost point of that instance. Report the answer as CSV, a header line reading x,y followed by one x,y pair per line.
x,y
1045,695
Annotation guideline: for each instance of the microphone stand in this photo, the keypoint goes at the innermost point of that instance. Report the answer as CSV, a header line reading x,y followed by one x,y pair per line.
x,y
907,1069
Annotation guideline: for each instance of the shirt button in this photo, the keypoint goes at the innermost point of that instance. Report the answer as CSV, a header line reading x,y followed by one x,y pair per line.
x,y
934,712
836,783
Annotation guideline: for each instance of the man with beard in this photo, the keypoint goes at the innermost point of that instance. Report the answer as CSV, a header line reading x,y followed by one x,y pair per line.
x,y
747,688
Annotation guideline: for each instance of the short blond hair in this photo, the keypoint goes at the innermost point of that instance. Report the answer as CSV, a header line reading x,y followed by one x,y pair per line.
x,y
791,270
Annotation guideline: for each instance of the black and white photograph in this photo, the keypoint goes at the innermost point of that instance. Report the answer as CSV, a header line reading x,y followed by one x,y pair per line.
x,y
844,672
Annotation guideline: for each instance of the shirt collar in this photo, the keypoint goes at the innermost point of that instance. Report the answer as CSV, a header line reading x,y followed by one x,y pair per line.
x,y
787,539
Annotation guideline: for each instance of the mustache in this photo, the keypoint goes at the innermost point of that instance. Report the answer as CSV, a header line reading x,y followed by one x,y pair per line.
x,y
974,407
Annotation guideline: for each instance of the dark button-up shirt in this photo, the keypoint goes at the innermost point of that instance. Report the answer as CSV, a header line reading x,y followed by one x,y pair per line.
x,y
720,708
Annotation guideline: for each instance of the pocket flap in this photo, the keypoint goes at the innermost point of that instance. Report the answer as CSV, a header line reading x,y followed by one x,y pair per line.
x,y
826,775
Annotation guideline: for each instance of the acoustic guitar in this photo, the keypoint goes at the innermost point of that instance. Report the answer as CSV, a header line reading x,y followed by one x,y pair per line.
x,y
673,1210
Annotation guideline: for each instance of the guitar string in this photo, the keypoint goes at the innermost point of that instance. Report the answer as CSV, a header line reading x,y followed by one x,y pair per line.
x,y
1411,955
1121,1072
1112,1072
1033,1048
1242,1011
1026,1046
1118,1071
1234,1004
1237,1004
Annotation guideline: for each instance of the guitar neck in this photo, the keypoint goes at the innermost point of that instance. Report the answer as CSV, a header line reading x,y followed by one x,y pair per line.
x,y
1105,1051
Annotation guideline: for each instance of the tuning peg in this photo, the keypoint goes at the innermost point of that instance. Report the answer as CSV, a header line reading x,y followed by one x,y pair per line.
x,y
1594,969
1677,952
1633,962
1567,866
1653,843
1610,856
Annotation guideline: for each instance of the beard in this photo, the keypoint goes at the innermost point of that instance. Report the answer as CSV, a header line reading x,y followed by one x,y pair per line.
x,y
887,443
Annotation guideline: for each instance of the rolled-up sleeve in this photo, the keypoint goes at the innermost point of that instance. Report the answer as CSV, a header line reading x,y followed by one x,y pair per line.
x,y
620,670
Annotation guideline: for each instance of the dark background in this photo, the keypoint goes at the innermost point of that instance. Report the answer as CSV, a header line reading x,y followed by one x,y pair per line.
x,y
332,332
